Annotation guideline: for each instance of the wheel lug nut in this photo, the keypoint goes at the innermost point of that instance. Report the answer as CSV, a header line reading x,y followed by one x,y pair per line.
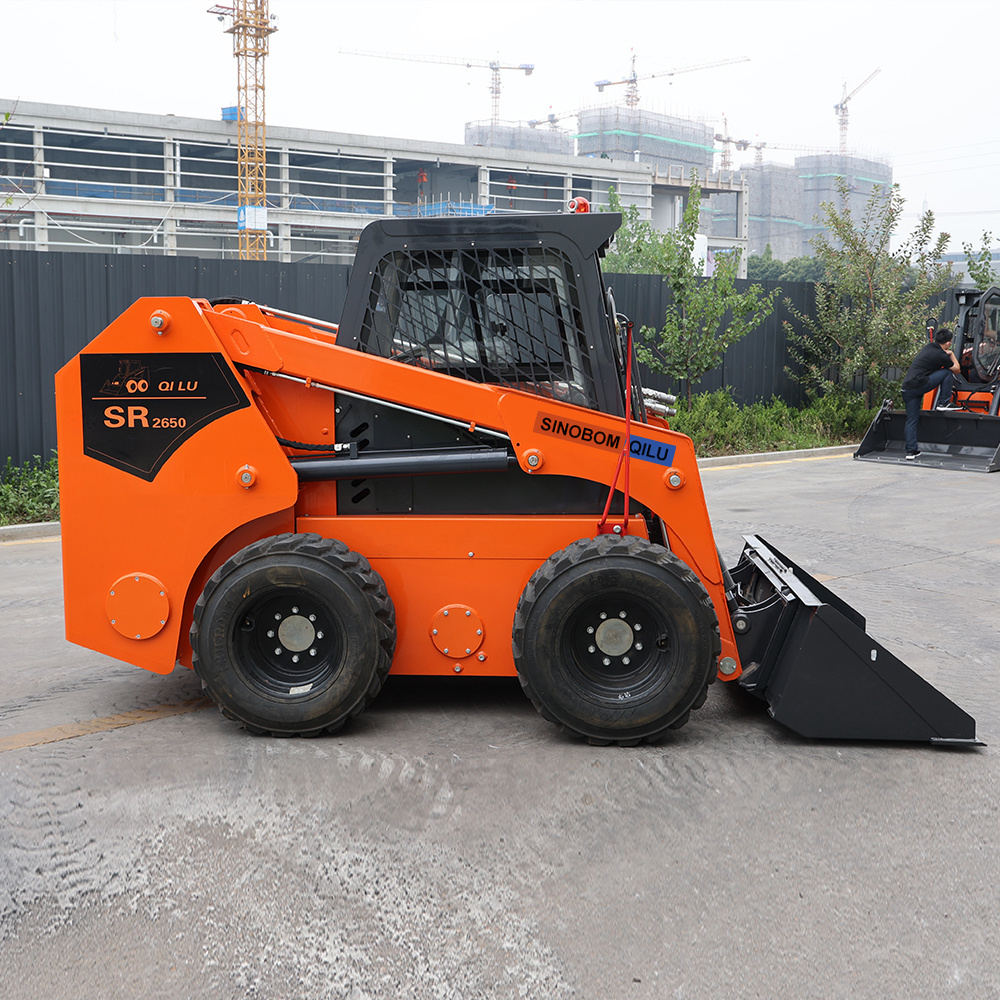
x,y
295,611
270,633
277,651
626,660
312,652
295,659
590,630
622,614
604,615
591,649
312,618
607,662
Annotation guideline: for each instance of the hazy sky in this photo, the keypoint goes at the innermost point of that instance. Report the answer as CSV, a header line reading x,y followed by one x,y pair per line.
x,y
933,109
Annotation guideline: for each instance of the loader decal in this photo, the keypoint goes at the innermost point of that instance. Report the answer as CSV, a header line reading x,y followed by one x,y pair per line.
x,y
658,452
138,411
557,426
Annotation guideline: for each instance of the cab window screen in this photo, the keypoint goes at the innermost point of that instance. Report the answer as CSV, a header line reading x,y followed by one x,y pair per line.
x,y
508,316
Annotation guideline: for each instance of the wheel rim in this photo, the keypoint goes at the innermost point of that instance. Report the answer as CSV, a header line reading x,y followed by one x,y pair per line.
x,y
287,643
619,648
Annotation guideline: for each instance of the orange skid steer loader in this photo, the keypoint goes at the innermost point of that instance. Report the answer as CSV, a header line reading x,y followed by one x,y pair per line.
x,y
464,477
967,437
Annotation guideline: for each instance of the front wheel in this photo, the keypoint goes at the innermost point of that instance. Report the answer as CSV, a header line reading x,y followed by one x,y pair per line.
x,y
616,640
294,634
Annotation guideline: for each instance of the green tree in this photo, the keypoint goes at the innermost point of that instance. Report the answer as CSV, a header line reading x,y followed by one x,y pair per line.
x,y
979,263
706,315
637,246
871,306
803,269
764,266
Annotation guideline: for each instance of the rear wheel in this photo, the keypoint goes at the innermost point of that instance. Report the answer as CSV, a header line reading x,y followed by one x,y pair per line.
x,y
616,640
294,634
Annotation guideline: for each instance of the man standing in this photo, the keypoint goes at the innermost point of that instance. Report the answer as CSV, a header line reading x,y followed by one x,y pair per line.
x,y
935,365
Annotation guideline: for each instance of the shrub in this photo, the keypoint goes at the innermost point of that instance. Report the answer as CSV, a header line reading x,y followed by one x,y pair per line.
x,y
29,492
719,426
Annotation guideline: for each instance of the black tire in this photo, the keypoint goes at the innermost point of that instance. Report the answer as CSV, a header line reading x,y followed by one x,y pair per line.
x,y
293,635
580,648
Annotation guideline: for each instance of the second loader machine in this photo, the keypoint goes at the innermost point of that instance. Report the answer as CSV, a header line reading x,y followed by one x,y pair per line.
x,y
464,477
967,437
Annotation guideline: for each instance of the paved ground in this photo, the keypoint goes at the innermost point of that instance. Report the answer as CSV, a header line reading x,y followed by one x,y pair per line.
x,y
451,844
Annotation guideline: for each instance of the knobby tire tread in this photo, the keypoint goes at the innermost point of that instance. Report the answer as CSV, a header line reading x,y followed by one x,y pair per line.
x,y
570,556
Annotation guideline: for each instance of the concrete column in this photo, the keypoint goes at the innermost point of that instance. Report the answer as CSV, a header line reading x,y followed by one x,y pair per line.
x,y
41,231
169,171
284,179
483,184
41,219
388,195
743,226
284,242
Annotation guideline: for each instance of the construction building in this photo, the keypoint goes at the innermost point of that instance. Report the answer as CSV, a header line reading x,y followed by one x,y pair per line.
x,y
84,179
786,201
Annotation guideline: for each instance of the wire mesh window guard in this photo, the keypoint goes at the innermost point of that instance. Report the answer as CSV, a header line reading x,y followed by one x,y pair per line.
x,y
509,316
986,349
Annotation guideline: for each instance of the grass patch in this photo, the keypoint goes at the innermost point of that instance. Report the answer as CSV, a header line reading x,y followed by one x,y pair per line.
x,y
718,426
29,493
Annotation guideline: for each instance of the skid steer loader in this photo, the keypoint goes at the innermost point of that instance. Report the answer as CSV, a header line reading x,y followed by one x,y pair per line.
x,y
463,477
967,438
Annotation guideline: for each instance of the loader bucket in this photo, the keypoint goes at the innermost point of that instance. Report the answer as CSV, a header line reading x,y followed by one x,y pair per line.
x,y
805,653
948,439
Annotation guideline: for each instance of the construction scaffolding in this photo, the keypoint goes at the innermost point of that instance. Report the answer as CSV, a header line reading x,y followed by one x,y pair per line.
x,y
786,200
519,136
622,133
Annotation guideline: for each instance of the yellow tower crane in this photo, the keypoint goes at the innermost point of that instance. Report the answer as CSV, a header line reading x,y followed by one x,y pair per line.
x,y
251,28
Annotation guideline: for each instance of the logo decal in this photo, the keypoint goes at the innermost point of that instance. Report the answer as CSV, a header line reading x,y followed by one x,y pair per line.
x,y
652,451
138,410
575,431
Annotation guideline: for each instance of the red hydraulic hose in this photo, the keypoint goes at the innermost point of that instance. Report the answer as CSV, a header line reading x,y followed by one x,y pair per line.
x,y
626,450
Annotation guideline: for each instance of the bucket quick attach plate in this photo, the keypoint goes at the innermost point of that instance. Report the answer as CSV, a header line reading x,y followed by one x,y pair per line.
x,y
949,439
805,653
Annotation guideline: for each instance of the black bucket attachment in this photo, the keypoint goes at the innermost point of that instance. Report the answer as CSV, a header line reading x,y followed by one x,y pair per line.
x,y
806,653
946,439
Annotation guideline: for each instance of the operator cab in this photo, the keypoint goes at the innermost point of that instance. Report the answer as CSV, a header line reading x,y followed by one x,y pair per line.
x,y
519,303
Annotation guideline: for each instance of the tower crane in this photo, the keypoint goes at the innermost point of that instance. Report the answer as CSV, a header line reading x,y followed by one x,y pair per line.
x,y
727,141
841,108
632,80
494,65
251,27
759,147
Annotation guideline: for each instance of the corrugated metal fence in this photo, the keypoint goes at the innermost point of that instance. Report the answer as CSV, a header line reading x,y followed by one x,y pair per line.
x,y
53,304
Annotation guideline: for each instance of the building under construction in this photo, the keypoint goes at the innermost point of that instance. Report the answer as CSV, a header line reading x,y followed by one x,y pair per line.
x,y
786,202
624,133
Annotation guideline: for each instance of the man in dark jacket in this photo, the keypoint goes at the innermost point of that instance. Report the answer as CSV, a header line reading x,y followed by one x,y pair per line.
x,y
935,365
